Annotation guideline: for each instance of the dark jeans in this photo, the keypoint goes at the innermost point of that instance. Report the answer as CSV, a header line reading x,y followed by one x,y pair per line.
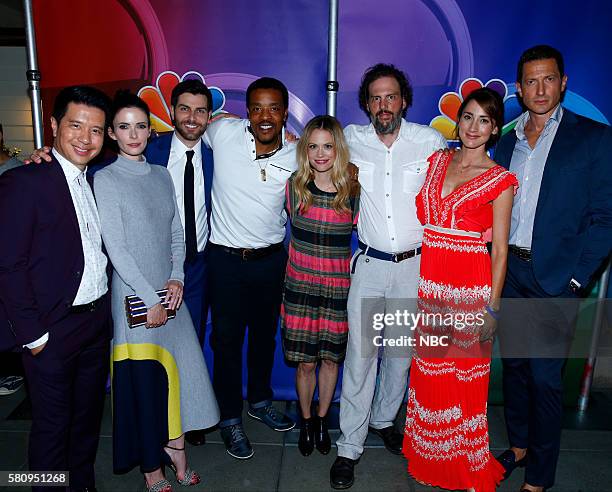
x,y
533,387
243,293
67,388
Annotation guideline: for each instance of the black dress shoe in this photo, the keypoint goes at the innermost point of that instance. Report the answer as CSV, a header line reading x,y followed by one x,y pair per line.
x,y
508,460
322,440
306,441
342,474
195,438
392,439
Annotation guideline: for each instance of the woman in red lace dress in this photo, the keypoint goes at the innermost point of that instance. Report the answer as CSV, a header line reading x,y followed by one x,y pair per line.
x,y
466,198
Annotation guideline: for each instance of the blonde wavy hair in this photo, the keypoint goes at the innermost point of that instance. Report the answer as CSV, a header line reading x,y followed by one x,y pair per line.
x,y
339,174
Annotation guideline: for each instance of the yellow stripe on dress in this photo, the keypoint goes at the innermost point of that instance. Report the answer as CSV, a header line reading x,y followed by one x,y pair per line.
x,y
150,351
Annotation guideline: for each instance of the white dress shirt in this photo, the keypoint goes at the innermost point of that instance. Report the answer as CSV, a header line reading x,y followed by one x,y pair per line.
x,y
390,178
94,282
247,212
176,166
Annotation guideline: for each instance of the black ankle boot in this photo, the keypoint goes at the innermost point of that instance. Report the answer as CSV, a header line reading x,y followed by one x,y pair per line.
x,y
307,437
322,440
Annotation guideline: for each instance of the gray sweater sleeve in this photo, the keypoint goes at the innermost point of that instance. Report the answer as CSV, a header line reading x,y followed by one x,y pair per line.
x,y
178,241
113,234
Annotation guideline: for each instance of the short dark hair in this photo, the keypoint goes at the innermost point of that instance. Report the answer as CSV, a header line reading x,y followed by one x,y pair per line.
x,y
384,70
492,104
268,83
81,94
126,99
540,52
191,86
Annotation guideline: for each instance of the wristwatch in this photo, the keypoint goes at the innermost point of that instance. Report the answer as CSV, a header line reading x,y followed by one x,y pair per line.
x,y
575,286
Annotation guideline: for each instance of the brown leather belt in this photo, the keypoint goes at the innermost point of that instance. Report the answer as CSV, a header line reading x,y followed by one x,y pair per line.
x,y
521,253
248,254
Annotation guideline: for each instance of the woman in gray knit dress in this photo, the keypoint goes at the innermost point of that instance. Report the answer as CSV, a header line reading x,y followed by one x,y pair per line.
x,y
161,387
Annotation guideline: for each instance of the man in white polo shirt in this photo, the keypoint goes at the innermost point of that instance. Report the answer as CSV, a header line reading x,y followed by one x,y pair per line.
x,y
392,158
247,257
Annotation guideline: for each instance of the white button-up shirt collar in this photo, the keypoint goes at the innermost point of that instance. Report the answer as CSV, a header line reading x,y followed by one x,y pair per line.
x,y
176,167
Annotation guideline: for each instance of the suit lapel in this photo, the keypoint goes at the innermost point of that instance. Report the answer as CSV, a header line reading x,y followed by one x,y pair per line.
x,y
559,153
207,169
158,150
64,192
505,149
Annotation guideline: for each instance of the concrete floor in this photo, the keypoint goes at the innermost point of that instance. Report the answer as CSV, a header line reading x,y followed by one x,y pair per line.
x,y
277,465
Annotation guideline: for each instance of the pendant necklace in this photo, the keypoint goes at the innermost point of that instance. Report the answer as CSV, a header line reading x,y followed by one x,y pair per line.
x,y
262,170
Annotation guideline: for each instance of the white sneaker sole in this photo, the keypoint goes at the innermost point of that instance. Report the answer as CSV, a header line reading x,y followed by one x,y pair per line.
x,y
240,457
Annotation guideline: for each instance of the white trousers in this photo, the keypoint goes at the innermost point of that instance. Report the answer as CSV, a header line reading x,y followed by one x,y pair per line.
x,y
376,286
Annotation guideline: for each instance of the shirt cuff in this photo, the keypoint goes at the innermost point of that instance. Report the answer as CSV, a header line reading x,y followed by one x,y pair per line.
x,y
577,283
37,343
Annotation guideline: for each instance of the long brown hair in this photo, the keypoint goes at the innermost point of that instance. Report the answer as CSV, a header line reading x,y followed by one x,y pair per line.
x,y
339,175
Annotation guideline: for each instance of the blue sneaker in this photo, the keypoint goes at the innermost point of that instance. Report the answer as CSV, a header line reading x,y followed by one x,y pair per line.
x,y
270,416
236,442
10,384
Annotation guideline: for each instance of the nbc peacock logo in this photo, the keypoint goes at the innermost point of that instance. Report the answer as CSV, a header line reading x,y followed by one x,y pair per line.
x,y
449,103
157,98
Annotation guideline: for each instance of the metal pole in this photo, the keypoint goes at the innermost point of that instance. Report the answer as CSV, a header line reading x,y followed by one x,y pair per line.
x,y
33,75
589,367
332,58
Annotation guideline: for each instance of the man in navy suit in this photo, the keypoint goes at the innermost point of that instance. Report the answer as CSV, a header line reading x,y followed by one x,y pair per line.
x,y
190,164
53,288
561,232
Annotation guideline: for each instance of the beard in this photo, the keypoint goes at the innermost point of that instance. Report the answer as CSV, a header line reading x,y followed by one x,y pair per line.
x,y
189,135
386,128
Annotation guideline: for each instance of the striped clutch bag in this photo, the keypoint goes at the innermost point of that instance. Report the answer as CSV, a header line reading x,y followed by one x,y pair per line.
x,y
136,311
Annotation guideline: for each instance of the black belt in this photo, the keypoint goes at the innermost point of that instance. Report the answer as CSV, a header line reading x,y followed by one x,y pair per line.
x,y
522,253
250,253
394,257
90,307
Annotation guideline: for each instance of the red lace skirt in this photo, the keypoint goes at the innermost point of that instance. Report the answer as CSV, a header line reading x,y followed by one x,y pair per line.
x,y
446,437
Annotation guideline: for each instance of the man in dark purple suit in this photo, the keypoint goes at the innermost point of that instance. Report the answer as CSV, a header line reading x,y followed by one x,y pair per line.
x,y
53,288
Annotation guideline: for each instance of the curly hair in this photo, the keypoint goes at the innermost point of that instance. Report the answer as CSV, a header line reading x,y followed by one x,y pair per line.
x,y
384,70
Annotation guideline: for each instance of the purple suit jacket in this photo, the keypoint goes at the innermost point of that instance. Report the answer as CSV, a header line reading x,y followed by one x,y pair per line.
x,y
41,256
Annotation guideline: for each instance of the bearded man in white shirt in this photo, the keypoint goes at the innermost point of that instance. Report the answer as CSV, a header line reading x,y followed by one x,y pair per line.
x,y
391,155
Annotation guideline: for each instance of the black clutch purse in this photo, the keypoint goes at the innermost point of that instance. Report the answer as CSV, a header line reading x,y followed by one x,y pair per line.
x,y
136,311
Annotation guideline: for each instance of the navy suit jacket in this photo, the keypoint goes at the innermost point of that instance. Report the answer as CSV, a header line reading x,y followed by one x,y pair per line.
x,y
41,255
158,152
572,230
